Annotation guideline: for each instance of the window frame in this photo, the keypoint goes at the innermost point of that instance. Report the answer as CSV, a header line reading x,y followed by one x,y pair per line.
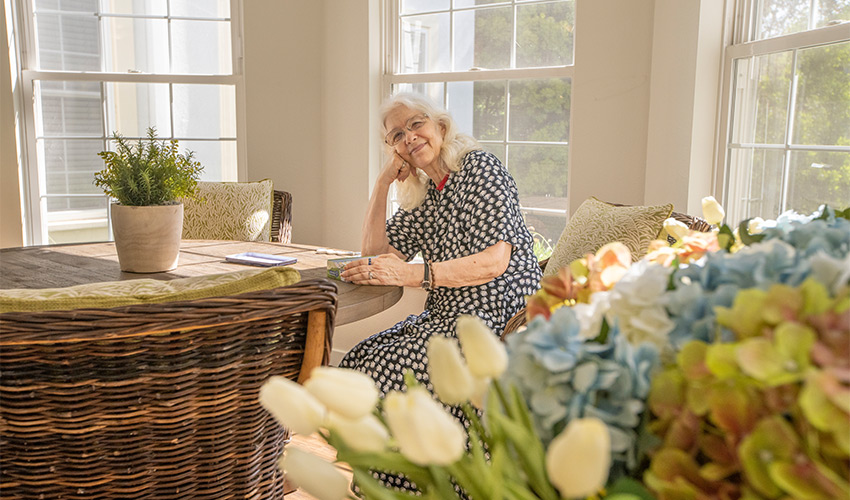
x,y
741,43
31,171
392,76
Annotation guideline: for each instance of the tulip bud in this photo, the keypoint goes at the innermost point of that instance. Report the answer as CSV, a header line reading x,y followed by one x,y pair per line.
x,y
448,371
367,435
712,212
485,353
426,434
578,460
314,475
480,391
754,226
350,393
676,229
292,405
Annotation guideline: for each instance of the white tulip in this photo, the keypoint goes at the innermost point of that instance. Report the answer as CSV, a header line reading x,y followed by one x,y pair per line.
x,y
314,475
676,229
712,212
426,434
292,405
485,353
480,391
449,373
755,225
350,393
578,460
366,434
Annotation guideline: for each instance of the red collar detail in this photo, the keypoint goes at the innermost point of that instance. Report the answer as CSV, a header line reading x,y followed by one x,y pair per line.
x,y
443,183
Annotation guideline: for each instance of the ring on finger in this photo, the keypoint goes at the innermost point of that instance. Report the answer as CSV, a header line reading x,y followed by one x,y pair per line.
x,y
370,261
371,275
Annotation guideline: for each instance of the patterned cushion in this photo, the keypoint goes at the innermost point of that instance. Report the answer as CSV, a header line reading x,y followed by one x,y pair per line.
x,y
123,293
229,211
596,223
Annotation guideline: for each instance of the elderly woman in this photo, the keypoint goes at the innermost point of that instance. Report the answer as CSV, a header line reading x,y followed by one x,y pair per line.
x,y
460,210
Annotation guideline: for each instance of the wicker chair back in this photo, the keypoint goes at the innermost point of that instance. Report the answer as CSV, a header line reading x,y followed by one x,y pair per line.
x,y
155,401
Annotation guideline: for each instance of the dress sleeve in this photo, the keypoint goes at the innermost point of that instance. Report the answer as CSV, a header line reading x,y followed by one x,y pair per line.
x,y
399,230
492,202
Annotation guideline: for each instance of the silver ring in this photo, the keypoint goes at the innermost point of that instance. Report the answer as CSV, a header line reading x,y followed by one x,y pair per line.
x,y
370,261
371,276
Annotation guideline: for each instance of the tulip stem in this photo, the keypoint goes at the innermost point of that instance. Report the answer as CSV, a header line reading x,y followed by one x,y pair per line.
x,y
475,422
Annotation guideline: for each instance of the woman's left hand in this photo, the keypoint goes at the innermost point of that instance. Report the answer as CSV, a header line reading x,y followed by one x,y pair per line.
x,y
385,269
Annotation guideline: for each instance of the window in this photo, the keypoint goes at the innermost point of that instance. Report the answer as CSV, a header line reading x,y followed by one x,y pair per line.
x,y
93,67
504,70
788,136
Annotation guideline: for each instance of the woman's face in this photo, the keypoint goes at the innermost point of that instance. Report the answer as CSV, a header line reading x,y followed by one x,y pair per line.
x,y
420,147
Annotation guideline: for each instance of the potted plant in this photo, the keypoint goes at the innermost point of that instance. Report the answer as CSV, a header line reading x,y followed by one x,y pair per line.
x,y
147,180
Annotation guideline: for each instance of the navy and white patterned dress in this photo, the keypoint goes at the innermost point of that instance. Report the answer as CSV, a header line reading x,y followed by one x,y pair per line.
x,y
477,207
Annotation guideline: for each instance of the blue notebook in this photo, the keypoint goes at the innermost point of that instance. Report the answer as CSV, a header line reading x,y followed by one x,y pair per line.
x,y
260,259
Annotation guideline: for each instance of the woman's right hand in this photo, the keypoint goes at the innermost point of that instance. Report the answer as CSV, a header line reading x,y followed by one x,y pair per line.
x,y
396,169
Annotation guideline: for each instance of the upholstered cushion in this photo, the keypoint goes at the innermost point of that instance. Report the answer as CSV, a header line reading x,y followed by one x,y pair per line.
x,y
596,223
123,293
229,211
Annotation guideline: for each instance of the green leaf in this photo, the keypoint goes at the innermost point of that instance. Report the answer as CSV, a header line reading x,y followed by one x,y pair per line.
x,y
374,490
725,237
627,488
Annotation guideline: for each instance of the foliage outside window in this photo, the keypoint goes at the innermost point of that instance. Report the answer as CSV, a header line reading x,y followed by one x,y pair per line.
x,y
504,70
93,67
788,141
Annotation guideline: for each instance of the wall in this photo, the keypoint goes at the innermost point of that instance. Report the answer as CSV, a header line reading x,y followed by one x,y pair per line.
x,y
11,227
283,49
686,58
610,100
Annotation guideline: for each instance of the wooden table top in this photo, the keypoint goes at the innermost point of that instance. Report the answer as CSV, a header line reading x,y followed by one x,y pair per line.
x,y
55,266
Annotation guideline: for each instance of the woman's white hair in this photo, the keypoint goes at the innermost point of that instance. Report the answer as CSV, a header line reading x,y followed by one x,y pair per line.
x,y
456,145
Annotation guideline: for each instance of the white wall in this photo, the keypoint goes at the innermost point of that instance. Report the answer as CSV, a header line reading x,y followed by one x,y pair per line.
x,y
610,100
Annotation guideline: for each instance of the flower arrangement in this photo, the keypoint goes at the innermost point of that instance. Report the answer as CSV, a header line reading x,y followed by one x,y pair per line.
x,y
715,367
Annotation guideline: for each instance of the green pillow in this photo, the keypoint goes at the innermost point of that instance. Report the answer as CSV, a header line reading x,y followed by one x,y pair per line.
x,y
597,223
143,291
229,211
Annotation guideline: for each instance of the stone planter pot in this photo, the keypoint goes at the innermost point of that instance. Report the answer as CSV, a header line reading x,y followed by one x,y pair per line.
x,y
147,238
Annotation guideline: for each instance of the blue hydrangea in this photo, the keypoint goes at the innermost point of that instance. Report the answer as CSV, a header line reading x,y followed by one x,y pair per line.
x,y
563,376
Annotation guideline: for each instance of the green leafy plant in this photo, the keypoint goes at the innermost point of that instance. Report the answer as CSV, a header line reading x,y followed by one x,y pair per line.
x,y
151,172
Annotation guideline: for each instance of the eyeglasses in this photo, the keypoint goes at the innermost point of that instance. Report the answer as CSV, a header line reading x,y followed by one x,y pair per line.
x,y
413,124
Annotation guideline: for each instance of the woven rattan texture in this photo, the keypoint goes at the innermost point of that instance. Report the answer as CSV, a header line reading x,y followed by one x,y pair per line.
x,y
155,401
281,231
697,224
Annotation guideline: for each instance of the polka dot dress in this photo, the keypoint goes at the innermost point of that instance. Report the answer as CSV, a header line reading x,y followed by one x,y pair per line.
x,y
477,208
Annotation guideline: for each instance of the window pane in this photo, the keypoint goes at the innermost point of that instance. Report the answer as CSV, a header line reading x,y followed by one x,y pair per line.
x,y
545,34
204,111
137,7
70,165
217,157
67,5
133,107
473,3
497,149
756,182
76,220
818,177
541,176
201,47
434,91
425,43
67,42
219,9
416,6
483,38
780,17
761,102
540,110
68,109
832,10
479,108
822,107
139,45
